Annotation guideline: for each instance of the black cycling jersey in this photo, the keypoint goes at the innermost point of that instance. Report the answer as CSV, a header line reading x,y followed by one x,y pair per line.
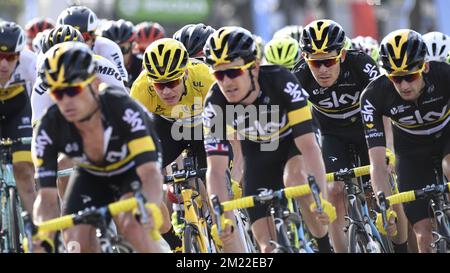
x,y
417,121
129,140
134,68
338,106
421,130
276,117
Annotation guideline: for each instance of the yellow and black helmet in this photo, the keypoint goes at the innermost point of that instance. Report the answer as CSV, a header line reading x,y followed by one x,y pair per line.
x,y
322,36
230,43
165,59
60,34
68,64
402,50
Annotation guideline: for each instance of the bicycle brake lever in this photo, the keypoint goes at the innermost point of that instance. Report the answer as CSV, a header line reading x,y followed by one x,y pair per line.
x,y
315,190
143,215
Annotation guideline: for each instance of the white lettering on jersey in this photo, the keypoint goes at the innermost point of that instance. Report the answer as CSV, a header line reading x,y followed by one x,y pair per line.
x,y
371,71
336,101
131,117
293,90
41,141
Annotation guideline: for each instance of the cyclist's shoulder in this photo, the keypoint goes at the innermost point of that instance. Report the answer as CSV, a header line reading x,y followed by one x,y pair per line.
x,y
439,70
104,46
27,65
362,63
379,88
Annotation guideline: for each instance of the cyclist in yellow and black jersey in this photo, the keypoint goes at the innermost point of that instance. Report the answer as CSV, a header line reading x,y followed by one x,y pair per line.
x,y
107,135
415,95
334,79
17,76
173,88
270,117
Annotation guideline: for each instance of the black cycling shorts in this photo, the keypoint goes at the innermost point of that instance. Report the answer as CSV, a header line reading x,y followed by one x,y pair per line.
x,y
336,150
15,122
264,170
416,162
87,190
173,148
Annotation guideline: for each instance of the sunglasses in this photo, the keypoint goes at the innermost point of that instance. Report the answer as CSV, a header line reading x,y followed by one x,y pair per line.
x,y
408,77
71,91
328,62
169,84
9,56
87,36
232,72
125,49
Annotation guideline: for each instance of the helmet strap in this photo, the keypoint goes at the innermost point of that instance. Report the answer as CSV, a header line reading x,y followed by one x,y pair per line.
x,y
253,88
97,107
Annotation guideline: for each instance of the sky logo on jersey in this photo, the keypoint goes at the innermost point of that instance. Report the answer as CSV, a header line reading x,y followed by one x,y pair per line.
x,y
115,156
335,101
371,70
367,112
429,117
133,118
293,90
41,141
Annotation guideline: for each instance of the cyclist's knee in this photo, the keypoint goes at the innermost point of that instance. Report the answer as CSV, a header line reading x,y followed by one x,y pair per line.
x,y
80,239
167,224
262,233
423,230
446,166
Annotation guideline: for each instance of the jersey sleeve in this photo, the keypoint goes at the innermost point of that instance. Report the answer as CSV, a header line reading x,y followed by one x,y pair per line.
x,y
111,51
372,115
40,100
214,126
141,93
45,154
205,77
296,99
134,123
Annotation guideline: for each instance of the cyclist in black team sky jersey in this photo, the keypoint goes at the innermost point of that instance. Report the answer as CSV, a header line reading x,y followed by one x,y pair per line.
x,y
334,79
269,114
107,135
415,95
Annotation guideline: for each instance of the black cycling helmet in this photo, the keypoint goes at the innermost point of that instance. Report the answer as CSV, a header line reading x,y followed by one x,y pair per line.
x,y
230,43
322,36
120,31
60,34
80,17
12,37
194,37
68,64
402,50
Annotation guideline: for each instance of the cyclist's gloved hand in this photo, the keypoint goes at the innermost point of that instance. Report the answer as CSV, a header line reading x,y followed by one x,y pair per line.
x,y
392,220
227,231
236,188
390,157
328,209
42,243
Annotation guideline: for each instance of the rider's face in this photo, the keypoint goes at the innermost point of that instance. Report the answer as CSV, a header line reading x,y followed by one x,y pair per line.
x,y
8,62
74,104
325,67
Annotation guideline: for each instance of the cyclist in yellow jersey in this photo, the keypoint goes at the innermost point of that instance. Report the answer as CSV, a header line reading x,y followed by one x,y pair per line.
x,y
173,88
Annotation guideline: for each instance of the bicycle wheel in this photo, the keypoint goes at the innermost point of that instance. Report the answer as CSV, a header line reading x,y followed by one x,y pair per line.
x,y
13,230
357,241
190,240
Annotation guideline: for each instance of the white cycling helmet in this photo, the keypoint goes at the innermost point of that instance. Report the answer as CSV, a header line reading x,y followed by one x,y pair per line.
x,y
438,45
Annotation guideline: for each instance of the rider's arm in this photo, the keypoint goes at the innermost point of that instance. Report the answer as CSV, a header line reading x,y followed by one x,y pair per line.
x,y
238,163
45,161
372,117
388,132
300,121
151,179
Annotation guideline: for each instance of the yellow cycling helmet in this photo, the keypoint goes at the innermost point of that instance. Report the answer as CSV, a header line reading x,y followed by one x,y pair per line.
x,y
68,64
283,51
322,36
402,50
165,59
228,44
